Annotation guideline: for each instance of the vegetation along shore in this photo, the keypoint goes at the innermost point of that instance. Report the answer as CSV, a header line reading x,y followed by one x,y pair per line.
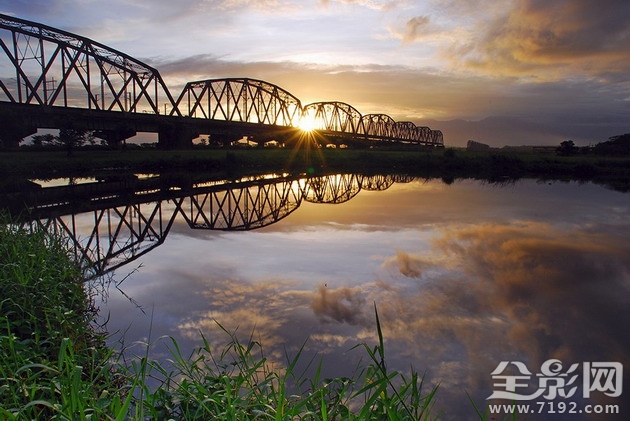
x,y
606,164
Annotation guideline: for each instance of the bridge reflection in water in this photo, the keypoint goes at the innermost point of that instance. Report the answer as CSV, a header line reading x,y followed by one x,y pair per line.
x,y
109,224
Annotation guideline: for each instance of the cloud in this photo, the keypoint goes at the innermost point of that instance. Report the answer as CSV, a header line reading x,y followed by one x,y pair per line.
x,y
20,8
241,4
408,265
262,310
548,40
527,292
369,4
528,281
415,27
343,305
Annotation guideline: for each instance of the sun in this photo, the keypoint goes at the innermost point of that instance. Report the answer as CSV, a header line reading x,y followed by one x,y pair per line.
x,y
307,123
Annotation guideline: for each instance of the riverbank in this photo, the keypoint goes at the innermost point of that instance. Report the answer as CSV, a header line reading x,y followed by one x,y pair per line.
x,y
54,364
448,164
51,359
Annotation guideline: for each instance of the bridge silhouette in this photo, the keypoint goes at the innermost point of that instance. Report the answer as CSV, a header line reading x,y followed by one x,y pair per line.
x,y
54,79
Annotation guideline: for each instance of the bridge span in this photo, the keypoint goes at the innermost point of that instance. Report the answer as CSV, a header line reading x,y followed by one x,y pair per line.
x,y
50,78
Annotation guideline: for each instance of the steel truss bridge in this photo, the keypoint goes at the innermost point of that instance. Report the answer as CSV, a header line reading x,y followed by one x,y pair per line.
x,y
51,78
109,224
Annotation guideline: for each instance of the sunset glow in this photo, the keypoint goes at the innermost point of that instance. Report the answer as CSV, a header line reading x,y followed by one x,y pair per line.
x,y
558,71
307,123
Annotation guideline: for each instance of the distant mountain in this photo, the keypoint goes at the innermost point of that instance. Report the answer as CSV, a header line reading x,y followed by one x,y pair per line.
x,y
499,131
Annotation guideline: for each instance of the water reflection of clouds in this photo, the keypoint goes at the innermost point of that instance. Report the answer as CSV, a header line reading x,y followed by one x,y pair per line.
x,y
262,309
513,277
529,290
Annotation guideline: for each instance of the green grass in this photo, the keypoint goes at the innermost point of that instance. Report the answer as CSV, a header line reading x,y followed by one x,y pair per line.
x,y
54,363
241,384
51,361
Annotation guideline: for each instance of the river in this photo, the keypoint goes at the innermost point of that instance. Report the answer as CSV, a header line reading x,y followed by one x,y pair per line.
x,y
478,285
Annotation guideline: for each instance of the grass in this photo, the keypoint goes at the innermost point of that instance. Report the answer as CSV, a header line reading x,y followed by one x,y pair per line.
x,y
241,384
54,363
448,164
51,360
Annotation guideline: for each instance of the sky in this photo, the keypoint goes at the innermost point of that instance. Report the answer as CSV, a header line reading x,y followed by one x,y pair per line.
x,y
502,72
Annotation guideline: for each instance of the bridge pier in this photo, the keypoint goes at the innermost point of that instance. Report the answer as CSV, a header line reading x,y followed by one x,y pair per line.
x,y
176,137
13,128
114,137
10,138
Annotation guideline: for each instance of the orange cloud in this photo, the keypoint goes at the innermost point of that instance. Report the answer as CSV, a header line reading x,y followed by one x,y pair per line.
x,y
549,39
415,28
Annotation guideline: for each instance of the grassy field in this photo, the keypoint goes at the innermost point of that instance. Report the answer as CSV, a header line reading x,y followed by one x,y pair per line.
x,y
86,161
448,164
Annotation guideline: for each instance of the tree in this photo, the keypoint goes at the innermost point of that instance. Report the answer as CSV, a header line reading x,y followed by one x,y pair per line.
x,y
40,140
616,145
72,138
566,148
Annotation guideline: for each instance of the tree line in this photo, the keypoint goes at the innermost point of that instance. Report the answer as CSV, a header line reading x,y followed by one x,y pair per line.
x,y
615,145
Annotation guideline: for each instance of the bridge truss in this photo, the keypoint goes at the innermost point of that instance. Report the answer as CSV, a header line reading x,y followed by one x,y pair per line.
x,y
334,189
339,118
242,100
117,235
241,206
44,66
334,117
54,67
104,230
379,126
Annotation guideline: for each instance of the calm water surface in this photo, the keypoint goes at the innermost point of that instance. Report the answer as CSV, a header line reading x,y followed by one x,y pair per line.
x,y
464,276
